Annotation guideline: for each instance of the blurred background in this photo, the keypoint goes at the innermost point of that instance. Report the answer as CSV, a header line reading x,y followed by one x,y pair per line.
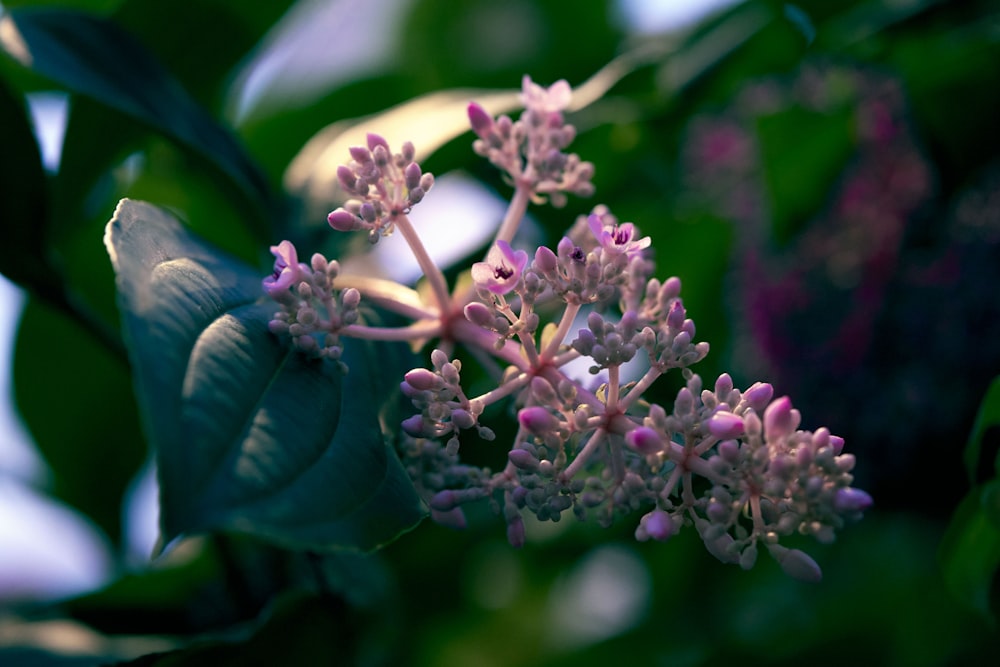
x,y
824,178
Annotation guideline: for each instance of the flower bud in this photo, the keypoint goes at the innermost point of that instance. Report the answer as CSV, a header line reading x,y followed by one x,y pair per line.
x,y
515,532
343,221
376,140
453,518
658,525
759,395
423,379
725,425
462,419
545,260
796,564
480,121
414,426
479,314
523,459
851,500
780,419
538,420
412,175
644,440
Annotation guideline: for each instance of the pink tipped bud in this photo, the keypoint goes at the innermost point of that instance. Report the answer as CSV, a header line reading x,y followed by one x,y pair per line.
x,y
414,426
454,518
515,532
360,154
657,525
545,260
343,221
412,175
538,420
851,500
480,314
725,425
644,440
444,501
481,121
462,418
423,379
376,140
759,395
675,318
780,419
796,564
523,459
837,443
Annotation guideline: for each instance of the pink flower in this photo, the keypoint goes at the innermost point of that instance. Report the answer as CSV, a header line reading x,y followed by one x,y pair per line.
x,y
287,270
553,99
501,270
617,239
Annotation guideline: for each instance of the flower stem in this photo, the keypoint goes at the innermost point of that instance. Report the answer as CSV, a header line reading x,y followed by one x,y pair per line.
x,y
415,331
515,212
564,324
427,265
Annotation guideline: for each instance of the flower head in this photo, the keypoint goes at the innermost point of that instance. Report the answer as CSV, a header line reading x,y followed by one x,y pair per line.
x,y
553,99
617,239
501,270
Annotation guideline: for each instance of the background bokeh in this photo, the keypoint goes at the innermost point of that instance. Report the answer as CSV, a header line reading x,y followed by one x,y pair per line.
x,y
824,178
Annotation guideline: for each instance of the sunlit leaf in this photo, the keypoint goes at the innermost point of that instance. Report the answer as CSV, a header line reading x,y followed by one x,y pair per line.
x,y
251,436
429,121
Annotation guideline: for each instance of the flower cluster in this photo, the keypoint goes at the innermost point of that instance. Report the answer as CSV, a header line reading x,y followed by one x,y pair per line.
x,y
733,464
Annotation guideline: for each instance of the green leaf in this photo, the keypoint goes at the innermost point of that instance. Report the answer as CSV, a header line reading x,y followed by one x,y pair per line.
x,y
803,152
23,207
970,550
74,395
251,436
987,417
94,57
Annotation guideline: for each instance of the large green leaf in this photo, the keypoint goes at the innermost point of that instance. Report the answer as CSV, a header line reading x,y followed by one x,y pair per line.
x,y
251,436
23,208
988,417
94,57
95,445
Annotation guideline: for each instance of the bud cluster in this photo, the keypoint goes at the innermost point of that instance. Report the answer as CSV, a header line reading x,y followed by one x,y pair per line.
x,y
530,149
312,311
382,187
731,464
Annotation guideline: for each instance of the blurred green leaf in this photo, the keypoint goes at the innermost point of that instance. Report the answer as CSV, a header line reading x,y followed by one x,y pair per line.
x,y
970,550
802,152
94,57
24,209
299,630
75,396
987,417
251,436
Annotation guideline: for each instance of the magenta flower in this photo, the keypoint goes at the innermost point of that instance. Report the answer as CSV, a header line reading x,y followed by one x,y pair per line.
x,y
553,99
501,270
287,270
617,239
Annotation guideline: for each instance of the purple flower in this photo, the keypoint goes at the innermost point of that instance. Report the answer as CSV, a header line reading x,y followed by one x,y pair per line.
x,y
617,239
501,270
553,99
287,270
